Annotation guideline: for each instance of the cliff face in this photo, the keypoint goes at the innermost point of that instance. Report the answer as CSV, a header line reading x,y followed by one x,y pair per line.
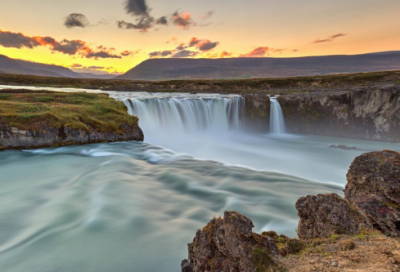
x,y
257,114
367,113
14,138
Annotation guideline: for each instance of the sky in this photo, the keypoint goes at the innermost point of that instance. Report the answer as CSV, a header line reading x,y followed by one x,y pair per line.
x,y
115,35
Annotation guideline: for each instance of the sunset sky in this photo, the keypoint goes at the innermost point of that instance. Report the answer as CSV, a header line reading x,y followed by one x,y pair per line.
x,y
115,35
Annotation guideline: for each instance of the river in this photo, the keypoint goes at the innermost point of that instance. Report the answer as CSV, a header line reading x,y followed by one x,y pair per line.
x,y
134,206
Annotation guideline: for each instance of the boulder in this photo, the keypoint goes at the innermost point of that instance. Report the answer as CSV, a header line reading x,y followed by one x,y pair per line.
x,y
374,186
229,245
322,216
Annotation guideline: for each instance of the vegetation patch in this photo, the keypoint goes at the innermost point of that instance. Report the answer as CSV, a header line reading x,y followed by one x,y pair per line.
x,y
33,110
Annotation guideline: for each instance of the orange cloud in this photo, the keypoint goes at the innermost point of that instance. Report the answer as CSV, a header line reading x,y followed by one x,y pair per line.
x,y
225,54
182,20
202,44
68,47
259,52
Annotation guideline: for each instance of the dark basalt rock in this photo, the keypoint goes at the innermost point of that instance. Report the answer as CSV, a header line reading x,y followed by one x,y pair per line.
x,y
229,245
322,216
13,138
374,186
368,113
257,112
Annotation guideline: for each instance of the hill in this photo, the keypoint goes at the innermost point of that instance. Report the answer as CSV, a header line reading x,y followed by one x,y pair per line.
x,y
23,67
14,66
236,68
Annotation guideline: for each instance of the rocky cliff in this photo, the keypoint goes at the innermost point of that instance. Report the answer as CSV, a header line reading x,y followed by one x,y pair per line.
x,y
32,119
370,113
329,227
14,138
257,112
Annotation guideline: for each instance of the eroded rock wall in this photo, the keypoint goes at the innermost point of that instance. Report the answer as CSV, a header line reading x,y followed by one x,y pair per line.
x,y
371,113
257,113
14,138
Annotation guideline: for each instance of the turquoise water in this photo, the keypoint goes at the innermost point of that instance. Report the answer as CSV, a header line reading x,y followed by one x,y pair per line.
x,y
134,206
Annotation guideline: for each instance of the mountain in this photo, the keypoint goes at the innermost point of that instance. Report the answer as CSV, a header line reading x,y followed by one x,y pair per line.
x,y
163,69
23,67
100,76
59,70
14,66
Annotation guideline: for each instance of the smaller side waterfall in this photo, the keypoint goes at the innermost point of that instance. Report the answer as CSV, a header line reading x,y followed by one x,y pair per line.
x,y
277,122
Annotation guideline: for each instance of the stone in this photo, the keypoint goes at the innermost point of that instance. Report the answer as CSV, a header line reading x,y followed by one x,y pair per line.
x,y
228,245
13,138
374,186
368,113
322,216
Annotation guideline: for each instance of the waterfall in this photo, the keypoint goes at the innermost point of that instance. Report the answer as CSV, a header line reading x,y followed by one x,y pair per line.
x,y
187,114
277,122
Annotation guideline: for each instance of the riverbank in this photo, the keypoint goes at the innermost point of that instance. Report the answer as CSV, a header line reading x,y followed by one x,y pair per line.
x,y
32,119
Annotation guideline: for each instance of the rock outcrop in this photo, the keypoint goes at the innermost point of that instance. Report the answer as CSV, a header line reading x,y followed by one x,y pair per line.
x,y
371,113
14,138
257,112
229,245
371,204
322,216
374,186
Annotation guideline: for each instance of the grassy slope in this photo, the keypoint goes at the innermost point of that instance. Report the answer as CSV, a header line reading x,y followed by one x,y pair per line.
x,y
228,85
27,110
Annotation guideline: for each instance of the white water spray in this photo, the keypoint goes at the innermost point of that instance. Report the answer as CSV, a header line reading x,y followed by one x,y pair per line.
x,y
277,122
182,114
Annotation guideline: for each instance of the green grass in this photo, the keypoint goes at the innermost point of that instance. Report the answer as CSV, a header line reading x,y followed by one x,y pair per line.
x,y
33,110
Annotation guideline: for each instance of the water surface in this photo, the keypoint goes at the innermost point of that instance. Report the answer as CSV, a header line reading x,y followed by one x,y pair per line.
x,y
134,206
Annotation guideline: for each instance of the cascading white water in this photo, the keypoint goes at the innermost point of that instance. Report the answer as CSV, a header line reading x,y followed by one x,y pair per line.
x,y
277,122
187,114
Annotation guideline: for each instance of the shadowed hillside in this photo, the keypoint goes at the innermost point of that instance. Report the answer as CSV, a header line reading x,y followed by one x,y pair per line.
x,y
163,69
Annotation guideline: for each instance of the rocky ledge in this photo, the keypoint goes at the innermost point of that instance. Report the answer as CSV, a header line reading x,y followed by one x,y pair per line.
x,y
368,113
356,233
34,119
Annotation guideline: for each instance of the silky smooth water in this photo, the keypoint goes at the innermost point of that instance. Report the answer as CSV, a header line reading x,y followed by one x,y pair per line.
x,y
134,206
277,122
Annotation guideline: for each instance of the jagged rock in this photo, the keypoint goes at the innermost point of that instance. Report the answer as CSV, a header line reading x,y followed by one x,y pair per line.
x,y
322,216
374,186
229,245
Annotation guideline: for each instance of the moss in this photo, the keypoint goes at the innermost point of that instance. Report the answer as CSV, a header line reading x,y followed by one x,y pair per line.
x,y
33,110
294,246
392,204
261,259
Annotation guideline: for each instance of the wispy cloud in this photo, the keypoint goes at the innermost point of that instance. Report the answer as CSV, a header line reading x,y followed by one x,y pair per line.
x,y
257,52
330,38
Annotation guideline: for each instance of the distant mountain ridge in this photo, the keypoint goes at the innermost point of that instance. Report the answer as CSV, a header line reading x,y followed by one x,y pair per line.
x,y
22,67
165,69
